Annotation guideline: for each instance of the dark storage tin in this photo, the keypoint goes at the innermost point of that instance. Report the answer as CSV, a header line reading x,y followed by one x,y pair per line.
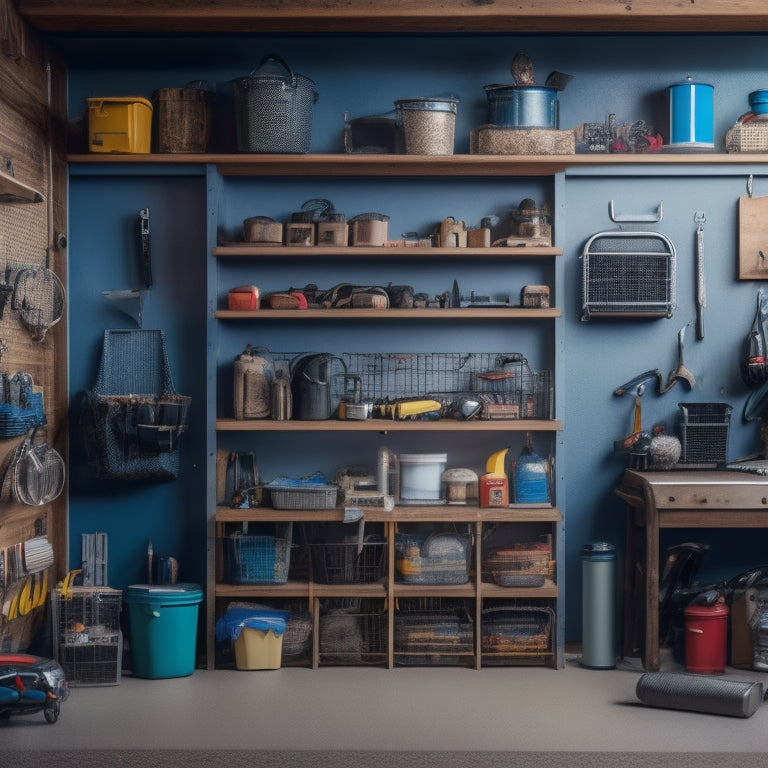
x,y
523,106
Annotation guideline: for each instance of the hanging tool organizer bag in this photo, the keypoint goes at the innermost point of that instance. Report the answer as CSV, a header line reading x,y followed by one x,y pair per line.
x,y
133,418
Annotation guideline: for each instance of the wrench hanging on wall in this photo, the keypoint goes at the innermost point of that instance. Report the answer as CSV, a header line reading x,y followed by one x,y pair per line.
x,y
701,289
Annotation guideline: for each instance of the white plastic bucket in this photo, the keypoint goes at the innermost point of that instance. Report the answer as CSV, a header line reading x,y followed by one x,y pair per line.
x,y
420,476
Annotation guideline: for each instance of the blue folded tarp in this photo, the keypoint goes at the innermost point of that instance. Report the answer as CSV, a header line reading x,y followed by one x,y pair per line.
x,y
229,626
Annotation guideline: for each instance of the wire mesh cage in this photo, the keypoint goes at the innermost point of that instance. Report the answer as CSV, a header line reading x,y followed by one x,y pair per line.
x,y
433,631
704,433
438,557
353,635
521,564
628,273
504,382
89,640
497,378
343,553
514,634
259,559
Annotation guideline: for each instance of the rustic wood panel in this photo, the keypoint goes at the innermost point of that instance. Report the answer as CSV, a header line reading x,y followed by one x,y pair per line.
x,y
403,16
32,142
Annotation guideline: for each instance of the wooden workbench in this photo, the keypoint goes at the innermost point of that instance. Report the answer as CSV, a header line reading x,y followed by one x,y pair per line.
x,y
676,499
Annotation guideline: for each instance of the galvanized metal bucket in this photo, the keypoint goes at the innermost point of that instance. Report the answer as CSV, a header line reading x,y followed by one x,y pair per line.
x,y
273,109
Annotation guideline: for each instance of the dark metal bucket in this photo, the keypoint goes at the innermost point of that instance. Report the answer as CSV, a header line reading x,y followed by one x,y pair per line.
x,y
523,106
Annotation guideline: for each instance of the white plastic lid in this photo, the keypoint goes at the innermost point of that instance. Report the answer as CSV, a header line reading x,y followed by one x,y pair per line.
x,y
423,458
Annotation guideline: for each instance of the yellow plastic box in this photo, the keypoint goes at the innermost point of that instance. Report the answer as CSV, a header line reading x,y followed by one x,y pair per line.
x,y
258,649
120,124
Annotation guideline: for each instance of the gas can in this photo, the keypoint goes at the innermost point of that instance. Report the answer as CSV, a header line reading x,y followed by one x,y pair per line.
x,y
494,490
706,638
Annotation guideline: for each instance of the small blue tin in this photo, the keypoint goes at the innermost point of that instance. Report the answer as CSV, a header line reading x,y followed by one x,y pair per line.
x,y
691,115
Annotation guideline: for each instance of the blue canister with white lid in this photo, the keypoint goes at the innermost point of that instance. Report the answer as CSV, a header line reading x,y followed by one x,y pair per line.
x,y
691,116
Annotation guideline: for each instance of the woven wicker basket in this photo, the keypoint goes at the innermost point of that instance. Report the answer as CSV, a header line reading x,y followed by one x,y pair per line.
x,y
749,136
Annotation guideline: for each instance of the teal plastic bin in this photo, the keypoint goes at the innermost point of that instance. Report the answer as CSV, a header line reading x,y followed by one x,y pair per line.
x,y
163,628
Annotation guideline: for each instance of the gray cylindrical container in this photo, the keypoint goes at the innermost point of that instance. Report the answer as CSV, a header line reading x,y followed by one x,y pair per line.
x,y
598,569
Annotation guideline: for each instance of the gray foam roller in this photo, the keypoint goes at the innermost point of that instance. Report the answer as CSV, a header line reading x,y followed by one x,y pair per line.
x,y
712,695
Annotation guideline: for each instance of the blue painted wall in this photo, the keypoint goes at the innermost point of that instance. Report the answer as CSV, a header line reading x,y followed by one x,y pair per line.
x,y
363,76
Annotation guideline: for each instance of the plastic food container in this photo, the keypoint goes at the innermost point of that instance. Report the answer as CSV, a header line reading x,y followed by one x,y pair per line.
x,y
421,476
120,124
163,624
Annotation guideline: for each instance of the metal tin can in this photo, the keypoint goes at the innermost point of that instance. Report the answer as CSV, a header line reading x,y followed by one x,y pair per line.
x,y
691,116
523,106
598,566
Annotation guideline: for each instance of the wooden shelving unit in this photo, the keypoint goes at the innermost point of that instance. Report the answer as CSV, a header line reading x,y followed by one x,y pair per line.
x,y
388,589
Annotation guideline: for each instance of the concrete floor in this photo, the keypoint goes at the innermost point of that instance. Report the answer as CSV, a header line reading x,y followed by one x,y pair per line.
x,y
352,708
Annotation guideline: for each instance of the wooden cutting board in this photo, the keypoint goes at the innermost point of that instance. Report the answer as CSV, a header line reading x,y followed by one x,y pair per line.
x,y
753,238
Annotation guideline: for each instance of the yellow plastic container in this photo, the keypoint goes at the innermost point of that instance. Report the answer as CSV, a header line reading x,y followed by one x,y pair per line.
x,y
120,124
258,649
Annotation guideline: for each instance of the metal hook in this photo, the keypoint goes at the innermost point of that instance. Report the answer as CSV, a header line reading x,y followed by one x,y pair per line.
x,y
749,184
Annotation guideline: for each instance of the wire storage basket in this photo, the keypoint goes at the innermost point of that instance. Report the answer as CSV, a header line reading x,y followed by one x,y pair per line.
x,y
354,634
297,637
343,557
704,433
520,564
259,559
505,383
516,635
432,558
433,632
89,642
628,274
495,378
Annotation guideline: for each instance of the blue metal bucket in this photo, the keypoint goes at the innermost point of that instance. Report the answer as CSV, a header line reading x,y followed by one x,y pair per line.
x,y
522,106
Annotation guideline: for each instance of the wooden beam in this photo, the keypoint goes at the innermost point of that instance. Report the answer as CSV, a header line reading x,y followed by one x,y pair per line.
x,y
400,16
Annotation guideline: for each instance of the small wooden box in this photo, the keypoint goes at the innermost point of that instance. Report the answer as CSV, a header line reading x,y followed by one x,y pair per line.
x,y
244,297
300,233
535,296
263,230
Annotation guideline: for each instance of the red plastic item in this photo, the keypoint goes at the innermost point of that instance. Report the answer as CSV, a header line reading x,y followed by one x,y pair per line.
x,y
706,638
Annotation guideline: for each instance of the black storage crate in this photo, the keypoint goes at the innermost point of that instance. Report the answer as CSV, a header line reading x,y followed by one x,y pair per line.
x,y
704,433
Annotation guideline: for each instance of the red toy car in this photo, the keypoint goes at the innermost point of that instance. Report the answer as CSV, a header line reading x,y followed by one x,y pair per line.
x,y
30,684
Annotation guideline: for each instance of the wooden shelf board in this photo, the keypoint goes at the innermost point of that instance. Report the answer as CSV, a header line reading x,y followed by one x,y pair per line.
x,y
253,250
241,591
354,314
467,590
438,512
387,16
421,165
13,191
385,425
549,590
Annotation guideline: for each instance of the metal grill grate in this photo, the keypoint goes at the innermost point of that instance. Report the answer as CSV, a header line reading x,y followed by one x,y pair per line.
x,y
628,273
